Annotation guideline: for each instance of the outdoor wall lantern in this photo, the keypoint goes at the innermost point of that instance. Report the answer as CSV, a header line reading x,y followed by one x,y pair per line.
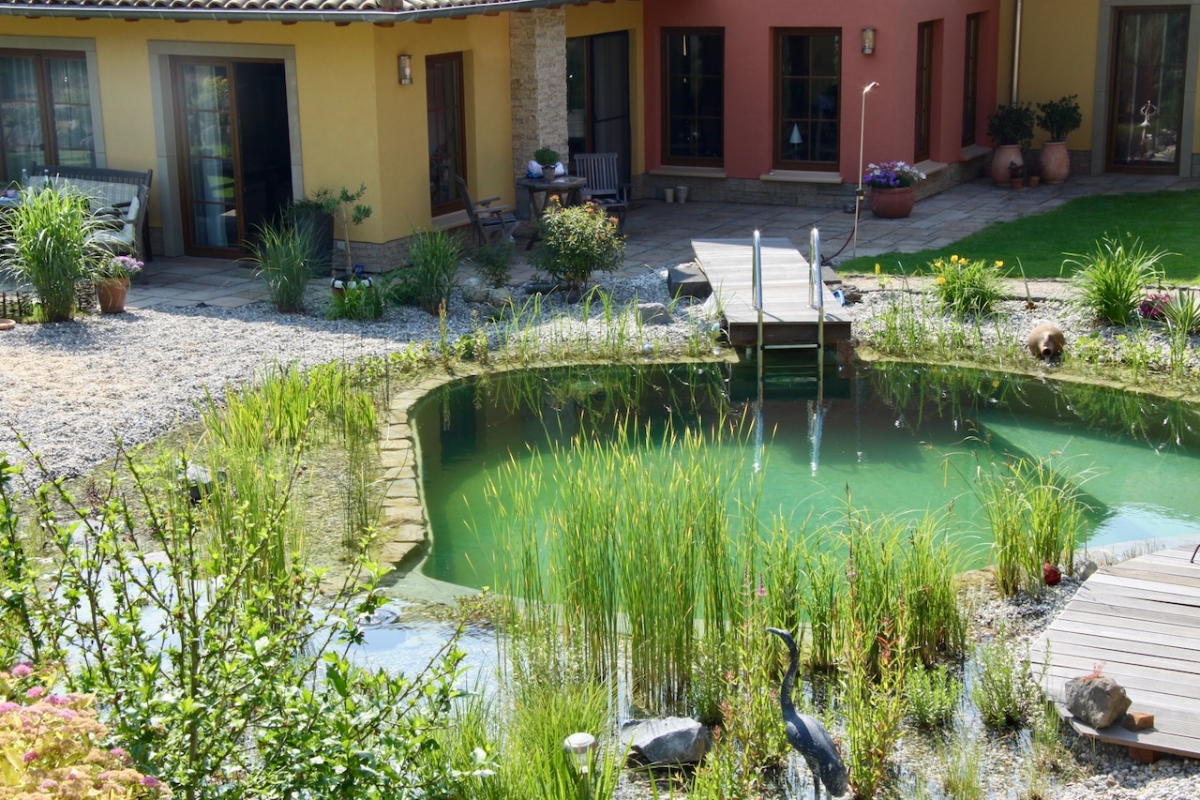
x,y
405,66
868,41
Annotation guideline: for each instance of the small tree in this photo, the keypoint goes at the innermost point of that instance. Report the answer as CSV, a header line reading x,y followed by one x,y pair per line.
x,y
1059,117
345,207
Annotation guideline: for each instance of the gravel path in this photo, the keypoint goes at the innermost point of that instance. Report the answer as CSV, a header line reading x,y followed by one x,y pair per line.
x,y
68,388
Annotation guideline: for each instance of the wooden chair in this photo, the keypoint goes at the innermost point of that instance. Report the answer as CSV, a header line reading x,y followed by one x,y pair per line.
x,y
604,187
491,223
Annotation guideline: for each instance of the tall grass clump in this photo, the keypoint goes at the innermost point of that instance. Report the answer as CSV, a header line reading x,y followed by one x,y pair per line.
x,y
47,244
962,760
494,260
1036,514
1113,278
428,284
872,704
285,252
967,287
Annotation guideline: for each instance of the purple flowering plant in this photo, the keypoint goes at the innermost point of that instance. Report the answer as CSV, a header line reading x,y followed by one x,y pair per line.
x,y
1154,306
120,267
892,175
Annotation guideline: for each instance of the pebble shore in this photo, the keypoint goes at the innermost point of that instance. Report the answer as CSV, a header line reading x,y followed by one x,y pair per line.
x,y
69,390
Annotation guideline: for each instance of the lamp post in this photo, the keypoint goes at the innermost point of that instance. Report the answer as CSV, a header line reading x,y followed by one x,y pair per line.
x,y
862,135
580,746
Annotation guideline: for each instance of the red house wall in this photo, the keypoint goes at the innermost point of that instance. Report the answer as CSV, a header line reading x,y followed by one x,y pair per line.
x,y
891,106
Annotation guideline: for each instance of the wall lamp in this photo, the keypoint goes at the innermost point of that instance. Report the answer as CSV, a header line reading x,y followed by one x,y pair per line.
x,y
868,41
405,68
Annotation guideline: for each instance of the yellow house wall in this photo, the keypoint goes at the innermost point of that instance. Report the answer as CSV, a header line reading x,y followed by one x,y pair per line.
x,y
624,15
1058,58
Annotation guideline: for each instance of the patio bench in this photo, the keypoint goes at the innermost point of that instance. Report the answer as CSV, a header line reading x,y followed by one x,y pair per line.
x,y
118,194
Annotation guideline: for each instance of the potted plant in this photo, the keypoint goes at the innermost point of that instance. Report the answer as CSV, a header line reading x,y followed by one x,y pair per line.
x,y
111,280
1010,128
1016,175
891,184
1058,118
1033,171
548,159
348,211
314,216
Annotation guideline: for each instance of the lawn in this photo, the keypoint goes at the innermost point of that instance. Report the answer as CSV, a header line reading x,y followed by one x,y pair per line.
x,y
1166,220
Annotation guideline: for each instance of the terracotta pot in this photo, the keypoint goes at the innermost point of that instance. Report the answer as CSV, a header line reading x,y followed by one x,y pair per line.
x,y
1005,154
1034,180
1016,183
111,294
891,203
1056,162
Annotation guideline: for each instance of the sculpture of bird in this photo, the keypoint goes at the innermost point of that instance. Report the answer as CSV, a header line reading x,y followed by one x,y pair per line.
x,y
807,735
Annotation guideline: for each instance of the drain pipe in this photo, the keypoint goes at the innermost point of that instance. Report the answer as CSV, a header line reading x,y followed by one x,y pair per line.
x,y
1016,50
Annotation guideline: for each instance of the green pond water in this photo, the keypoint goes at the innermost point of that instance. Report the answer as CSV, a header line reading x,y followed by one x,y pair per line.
x,y
901,438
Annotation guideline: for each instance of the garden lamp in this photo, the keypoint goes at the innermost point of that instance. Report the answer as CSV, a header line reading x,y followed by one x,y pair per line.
x,y
580,746
862,135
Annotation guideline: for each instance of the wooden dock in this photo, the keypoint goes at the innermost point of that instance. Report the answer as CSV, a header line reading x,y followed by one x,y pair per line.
x,y
1140,622
788,319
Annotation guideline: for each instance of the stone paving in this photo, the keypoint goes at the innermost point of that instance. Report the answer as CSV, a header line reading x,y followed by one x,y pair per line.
x,y
659,234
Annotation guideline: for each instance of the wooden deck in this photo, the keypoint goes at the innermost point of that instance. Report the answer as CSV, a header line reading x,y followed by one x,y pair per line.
x,y
787,317
1139,620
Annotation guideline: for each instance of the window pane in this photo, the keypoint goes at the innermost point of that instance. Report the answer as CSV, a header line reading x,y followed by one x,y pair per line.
x,y
72,111
694,108
1152,48
20,116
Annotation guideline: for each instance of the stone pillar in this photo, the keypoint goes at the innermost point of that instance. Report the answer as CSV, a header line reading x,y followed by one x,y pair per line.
x,y
537,43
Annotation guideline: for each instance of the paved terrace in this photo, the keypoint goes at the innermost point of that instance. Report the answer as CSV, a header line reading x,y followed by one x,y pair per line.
x,y
660,234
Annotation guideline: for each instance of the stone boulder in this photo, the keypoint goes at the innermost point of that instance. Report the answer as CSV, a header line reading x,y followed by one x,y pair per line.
x,y
1099,702
500,297
662,742
654,314
687,280
473,291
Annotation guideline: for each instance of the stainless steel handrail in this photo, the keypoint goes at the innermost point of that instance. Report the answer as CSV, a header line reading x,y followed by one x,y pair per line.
x,y
816,286
756,266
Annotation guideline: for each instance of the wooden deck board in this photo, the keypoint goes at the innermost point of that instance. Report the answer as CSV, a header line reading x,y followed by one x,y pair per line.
x,y
1139,621
787,316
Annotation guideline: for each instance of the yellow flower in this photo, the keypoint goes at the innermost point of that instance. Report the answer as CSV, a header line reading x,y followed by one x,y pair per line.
x,y
953,259
995,384
877,269
941,279
999,264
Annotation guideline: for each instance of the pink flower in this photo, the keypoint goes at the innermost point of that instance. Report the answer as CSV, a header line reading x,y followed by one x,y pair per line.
x,y
151,782
119,752
22,671
7,707
762,591
58,700
36,692
30,755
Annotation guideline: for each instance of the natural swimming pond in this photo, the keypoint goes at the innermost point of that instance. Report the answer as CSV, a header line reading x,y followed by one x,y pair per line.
x,y
900,438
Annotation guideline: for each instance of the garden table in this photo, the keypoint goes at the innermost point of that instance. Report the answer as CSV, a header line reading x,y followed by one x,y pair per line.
x,y
568,188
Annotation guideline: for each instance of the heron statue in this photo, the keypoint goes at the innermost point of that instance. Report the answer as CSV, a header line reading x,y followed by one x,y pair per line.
x,y
807,735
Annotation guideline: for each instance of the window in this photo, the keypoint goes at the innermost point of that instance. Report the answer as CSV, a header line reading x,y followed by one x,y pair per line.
x,y
447,130
45,111
971,81
924,128
694,90
807,98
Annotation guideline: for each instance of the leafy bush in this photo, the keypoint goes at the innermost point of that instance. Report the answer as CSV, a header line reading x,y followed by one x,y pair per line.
x,y
967,287
435,255
1003,687
1112,279
932,695
285,252
578,240
48,246
493,259
1059,117
1011,125
50,745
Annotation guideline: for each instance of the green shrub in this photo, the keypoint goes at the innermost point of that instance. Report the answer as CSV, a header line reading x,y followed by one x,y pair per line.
x,y
494,260
1182,313
1011,124
931,695
1059,117
1003,686
577,241
48,246
358,302
435,255
967,287
285,253
1112,279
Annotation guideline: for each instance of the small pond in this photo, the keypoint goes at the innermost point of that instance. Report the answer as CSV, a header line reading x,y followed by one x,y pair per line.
x,y
900,437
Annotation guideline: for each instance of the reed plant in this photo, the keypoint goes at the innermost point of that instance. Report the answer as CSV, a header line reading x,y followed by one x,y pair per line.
x,y
1113,278
962,766
435,255
48,244
936,624
286,253
872,705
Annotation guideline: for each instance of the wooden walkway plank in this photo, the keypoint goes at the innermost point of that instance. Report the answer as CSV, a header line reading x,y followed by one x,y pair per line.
x,y
1141,621
787,316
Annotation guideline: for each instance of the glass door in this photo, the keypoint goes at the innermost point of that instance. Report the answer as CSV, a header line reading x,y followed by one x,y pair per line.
x,y
447,129
1146,116
207,133
598,97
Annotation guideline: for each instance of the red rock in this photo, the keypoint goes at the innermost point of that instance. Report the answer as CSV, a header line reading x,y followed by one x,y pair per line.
x,y
1138,721
1051,574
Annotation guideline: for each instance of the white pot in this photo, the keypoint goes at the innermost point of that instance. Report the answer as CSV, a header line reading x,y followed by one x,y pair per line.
x,y
681,193
669,195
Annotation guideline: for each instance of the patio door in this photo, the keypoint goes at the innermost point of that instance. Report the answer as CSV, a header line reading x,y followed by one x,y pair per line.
x,y
1149,70
598,97
234,151
447,131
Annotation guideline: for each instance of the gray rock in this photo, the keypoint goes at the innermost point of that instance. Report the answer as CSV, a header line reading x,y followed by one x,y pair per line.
x,y
674,740
473,291
500,297
654,314
1097,701
1085,569
686,280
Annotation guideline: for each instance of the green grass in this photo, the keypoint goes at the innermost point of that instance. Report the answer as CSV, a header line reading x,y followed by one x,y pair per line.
x,y
1160,219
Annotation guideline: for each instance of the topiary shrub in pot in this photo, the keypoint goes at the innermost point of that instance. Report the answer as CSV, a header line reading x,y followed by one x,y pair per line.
x,y
1010,128
1058,118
